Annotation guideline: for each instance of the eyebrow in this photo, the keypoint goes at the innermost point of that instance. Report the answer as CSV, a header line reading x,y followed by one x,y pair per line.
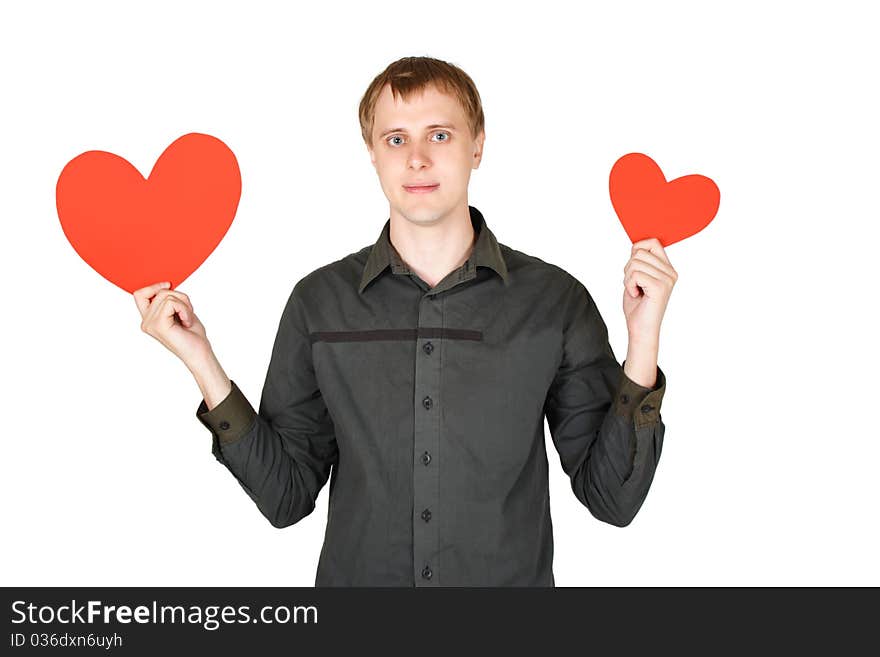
x,y
430,127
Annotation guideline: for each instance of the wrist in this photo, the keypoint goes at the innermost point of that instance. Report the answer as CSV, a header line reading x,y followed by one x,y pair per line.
x,y
212,381
643,373
202,362
641,362
641,343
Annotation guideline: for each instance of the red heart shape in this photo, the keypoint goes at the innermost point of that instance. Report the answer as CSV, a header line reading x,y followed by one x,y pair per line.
x,y
134,231
648,206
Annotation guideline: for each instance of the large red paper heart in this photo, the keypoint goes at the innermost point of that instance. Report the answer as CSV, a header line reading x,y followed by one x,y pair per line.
x,y
648,206
134,231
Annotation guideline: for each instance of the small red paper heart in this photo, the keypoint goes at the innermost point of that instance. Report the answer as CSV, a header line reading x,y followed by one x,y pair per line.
x,y
134,231
648,206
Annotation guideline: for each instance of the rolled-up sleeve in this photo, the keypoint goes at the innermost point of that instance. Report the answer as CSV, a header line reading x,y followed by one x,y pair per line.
x,y
283,454
606,428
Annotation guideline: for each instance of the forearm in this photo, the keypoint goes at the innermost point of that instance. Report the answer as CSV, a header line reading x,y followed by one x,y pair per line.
x,y
213,383
624,455
281,469
641,361
619,472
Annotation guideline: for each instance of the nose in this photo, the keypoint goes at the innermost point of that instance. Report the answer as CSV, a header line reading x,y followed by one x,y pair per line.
x,y
418,158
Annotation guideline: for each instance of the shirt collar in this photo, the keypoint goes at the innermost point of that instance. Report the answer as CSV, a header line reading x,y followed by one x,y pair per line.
x,y
486,252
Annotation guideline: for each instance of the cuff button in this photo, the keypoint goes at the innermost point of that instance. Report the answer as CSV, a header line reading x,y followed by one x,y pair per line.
x,y
624,398
647,408
225,425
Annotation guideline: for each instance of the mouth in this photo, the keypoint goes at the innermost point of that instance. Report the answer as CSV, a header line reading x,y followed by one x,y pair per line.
x,y
421,189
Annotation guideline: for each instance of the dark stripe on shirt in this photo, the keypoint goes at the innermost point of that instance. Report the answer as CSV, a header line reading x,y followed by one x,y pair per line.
x,y
395,334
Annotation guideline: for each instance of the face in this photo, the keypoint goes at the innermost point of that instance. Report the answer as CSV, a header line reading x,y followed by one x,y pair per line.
x,y
407,150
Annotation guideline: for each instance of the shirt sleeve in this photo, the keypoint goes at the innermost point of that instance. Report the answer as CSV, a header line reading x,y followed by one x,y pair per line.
x,y
281,455
606,428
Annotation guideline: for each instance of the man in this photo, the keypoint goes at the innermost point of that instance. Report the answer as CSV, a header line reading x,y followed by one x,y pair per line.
x,y
415,374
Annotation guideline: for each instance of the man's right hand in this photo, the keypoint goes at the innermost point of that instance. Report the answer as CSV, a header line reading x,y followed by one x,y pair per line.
x,y
159,307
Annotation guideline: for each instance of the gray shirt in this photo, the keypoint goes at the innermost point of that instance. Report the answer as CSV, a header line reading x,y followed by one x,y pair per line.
x,y
424,407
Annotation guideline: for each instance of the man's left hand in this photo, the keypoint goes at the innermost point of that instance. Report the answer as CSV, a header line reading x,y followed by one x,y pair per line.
x,y
648,282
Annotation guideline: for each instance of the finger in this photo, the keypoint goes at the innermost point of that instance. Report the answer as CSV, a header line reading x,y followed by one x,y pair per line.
x,y
640,279
184,310
639,265
174,306
183,298
149,290
166,299
653,245
164,294
188,317
144,294
180,295
649,258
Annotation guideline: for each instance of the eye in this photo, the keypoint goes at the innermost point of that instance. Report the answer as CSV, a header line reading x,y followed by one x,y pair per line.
x,y
439,132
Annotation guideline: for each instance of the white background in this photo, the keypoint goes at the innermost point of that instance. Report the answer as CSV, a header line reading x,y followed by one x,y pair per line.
x,y
768,473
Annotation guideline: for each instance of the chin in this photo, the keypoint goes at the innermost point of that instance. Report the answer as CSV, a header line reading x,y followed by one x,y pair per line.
x,y
420,212
424,216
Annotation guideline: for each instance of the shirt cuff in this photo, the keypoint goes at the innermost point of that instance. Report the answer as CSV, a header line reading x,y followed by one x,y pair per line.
x,y
230,419
637,402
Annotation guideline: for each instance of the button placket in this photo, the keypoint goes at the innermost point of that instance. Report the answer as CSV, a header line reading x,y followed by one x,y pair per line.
x,y
426,443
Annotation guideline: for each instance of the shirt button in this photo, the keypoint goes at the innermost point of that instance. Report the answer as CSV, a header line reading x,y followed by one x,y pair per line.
x,y
426,572
647,408
427,402
426,458
224,425
426,515
428,348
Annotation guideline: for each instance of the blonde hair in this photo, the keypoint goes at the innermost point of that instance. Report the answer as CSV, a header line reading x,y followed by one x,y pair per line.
x,y
409,76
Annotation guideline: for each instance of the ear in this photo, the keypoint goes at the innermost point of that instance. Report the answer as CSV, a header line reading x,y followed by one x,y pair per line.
x,y
478,148
372,155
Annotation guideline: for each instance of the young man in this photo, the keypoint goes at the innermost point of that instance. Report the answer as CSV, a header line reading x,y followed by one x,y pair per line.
x,y
415,374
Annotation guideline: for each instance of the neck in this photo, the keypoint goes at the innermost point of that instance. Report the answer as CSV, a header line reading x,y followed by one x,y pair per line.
x,y
433,249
